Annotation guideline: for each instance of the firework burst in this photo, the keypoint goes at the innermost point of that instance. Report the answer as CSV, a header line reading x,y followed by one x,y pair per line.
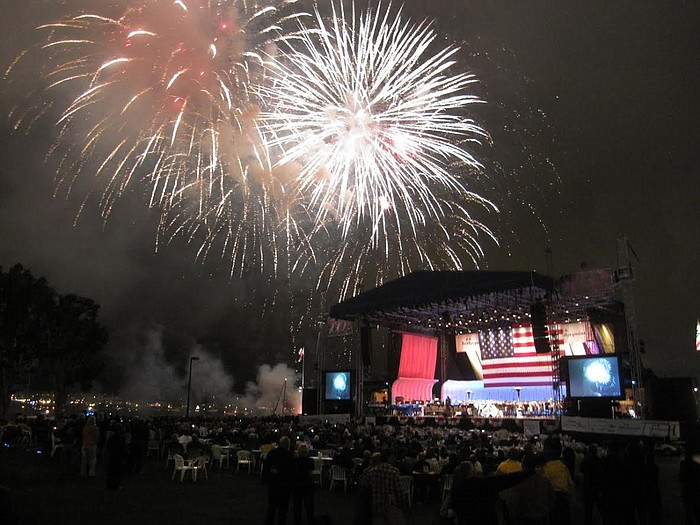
x,y
266,138
368,107
159,91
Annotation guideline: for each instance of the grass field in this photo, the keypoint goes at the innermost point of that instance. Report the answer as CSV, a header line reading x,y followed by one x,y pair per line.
x,y
46,491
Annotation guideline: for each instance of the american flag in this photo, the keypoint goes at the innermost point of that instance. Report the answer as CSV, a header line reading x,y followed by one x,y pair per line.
x,y
300,355
509,358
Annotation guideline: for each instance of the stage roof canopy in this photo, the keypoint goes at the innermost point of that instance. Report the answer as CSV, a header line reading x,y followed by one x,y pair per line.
x,y
426,301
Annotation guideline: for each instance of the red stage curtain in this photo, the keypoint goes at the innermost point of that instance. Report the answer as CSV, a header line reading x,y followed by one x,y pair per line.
x,y
418,357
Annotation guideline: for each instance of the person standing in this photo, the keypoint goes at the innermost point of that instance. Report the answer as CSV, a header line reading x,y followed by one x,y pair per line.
x,y
91,438
116,454
303,485
559,476
531,501
689,474
277,473
448,407
651,490
383,482
592,471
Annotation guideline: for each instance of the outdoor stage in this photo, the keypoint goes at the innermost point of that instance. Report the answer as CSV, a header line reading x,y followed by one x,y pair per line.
x,y
491,344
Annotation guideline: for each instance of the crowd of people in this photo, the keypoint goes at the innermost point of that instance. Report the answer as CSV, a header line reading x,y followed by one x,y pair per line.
x,y
472,475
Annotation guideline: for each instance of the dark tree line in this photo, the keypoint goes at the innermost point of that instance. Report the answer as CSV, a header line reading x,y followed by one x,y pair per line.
x,y
48,341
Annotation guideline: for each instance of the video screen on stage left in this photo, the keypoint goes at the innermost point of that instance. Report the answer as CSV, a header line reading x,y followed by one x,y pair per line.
x,y
338,385
594,377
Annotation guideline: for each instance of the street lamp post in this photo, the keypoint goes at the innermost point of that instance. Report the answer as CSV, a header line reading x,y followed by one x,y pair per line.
x,y
189,386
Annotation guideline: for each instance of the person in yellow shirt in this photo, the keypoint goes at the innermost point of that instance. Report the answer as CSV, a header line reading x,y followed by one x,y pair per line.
x,y
511,464
560,478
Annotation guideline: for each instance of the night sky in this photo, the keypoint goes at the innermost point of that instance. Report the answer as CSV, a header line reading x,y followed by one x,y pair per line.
x,y
593,110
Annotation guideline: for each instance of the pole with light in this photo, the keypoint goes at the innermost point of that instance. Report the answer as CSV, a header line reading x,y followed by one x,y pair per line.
x,y
189,386
518,389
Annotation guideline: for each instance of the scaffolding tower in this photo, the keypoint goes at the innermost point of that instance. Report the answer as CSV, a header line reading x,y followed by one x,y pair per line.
x,y
624,279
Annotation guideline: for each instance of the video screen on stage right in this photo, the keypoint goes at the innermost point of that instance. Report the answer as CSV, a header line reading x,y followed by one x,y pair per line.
x,y
594,377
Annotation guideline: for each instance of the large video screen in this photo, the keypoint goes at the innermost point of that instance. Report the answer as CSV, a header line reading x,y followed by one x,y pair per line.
x,y
338,385
594,377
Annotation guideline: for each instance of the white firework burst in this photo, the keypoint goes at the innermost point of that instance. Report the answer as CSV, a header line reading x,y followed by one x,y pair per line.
x,y
369,108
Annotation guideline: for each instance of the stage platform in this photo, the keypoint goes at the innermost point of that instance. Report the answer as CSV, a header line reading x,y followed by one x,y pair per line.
x,y
478,409
528,426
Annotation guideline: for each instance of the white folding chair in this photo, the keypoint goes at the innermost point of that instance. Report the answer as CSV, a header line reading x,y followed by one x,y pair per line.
x,y
317,472
446,484
263,455
170,455
25,436
182,467
199,467
55,444
220,455
245,458
153,446
338,475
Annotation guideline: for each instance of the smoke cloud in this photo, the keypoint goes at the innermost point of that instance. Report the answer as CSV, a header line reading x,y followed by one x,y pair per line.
x,y
269,394
149,375
210,381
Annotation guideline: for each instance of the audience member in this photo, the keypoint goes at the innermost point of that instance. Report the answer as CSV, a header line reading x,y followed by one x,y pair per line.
x,y
303,485
387,495
116,455
277,473
530,502
559,476
511,464
475,498
91,438
592,472
689,475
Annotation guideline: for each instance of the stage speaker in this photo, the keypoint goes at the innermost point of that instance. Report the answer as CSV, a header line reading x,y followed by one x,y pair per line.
x,y
366,345
309,401
538,317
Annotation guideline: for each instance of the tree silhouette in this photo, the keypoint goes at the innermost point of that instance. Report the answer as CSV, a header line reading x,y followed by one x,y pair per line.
x,y
45,337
